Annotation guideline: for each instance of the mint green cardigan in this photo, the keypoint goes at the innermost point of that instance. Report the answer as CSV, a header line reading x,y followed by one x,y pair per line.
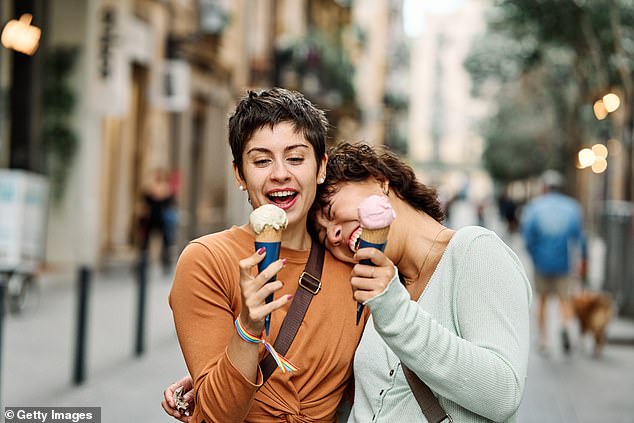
x,y
467,337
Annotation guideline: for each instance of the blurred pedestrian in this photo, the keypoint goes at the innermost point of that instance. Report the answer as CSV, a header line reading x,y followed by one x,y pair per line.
x,y
171,216
507,208
158,215
462,211
552,228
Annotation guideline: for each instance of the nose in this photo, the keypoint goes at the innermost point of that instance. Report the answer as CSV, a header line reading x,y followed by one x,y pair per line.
x,y
279,171
334,234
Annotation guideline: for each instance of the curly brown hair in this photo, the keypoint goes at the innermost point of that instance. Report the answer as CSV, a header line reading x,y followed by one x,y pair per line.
x,y
359,162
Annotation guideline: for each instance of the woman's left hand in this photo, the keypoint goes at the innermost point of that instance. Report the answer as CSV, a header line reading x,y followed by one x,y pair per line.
x,y
369,281
169,403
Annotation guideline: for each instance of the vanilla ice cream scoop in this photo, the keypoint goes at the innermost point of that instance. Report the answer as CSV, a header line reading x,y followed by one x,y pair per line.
x,y
268,216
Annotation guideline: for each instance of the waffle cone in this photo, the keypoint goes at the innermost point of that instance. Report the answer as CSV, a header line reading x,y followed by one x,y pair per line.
x,y
375,236
269,234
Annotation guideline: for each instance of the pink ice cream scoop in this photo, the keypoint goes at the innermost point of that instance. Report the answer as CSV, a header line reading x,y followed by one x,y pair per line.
x,y
376,212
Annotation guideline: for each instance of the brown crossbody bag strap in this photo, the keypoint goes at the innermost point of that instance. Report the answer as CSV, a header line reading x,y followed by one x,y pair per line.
x,y
427,401
309,286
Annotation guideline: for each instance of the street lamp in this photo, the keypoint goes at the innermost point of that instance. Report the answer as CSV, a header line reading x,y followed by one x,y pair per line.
x,y
586,158
599,165
611,102
600,150
606,105
600,111
594,158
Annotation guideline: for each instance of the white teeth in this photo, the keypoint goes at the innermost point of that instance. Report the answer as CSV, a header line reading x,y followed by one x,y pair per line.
x,y
352,243
281,193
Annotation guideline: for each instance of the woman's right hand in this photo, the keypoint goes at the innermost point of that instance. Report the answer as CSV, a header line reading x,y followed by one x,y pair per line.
x,y
369,281
255,290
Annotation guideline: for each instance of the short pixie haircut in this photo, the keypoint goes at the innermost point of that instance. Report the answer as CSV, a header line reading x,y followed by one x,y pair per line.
x,y
360,162
271,107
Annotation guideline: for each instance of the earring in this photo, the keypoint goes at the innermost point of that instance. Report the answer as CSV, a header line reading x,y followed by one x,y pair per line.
x,y
321,181
242,188
386,190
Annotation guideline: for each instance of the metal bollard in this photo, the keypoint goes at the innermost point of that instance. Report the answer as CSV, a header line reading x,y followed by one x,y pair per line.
x,y
142,294
617,229
3,289
83,290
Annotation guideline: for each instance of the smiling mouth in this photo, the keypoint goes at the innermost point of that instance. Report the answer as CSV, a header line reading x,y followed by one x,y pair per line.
x,y
353,241
282,199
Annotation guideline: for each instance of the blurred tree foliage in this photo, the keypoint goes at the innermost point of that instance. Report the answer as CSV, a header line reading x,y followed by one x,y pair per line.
x,y
545,62
317,65
58,136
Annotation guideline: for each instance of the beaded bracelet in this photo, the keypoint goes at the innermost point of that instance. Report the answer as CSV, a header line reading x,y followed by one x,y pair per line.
x,y
281,361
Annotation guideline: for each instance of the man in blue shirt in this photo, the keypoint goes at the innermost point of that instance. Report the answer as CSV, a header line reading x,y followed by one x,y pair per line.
x,y
552,228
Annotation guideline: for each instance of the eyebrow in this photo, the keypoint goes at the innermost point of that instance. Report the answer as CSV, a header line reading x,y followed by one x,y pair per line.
x,y
266,150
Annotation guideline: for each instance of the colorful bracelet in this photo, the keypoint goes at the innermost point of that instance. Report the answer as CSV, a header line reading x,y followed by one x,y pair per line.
x,y
282,362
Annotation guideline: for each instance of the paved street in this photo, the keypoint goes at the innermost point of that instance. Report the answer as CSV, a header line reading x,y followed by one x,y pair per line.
x,y
38,357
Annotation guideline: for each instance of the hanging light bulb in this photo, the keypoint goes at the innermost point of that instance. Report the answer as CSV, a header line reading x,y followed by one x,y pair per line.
x,y
600,112
586,158
599,165
21,35
611,102
600,150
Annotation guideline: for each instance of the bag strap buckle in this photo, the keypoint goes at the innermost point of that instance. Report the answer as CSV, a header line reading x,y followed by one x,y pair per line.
x,y
310,283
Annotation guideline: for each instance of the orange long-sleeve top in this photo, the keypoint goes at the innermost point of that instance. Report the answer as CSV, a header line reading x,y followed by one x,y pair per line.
x,y
205,301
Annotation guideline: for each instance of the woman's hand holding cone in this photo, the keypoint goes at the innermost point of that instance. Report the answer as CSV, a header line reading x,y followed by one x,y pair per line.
x,y
255,289
368,281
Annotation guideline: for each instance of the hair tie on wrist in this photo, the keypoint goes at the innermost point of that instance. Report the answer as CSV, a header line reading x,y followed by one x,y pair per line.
x,y
282,362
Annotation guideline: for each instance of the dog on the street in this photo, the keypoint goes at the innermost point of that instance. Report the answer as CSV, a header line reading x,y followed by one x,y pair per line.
x,y
594,311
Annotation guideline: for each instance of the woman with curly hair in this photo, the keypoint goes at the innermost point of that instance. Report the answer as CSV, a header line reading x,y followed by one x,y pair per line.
x,y
452,306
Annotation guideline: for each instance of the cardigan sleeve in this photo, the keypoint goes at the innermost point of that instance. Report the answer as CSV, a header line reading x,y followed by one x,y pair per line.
x,y
483,367
203,301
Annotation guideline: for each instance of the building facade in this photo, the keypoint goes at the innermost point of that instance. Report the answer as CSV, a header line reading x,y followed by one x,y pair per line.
x,y
443,141
153,82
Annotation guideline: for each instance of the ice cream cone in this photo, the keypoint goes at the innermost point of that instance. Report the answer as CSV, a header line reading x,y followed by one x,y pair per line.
x,y
269,234
375,236
375,217
268,222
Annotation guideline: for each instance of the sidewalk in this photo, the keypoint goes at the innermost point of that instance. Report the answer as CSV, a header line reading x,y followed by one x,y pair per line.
x,y
39,347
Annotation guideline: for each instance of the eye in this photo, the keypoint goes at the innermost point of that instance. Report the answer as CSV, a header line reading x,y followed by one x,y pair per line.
x,y
296,160
261,162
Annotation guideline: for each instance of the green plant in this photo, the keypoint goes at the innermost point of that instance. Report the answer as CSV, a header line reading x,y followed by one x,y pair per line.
x,y
58,137
316,54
